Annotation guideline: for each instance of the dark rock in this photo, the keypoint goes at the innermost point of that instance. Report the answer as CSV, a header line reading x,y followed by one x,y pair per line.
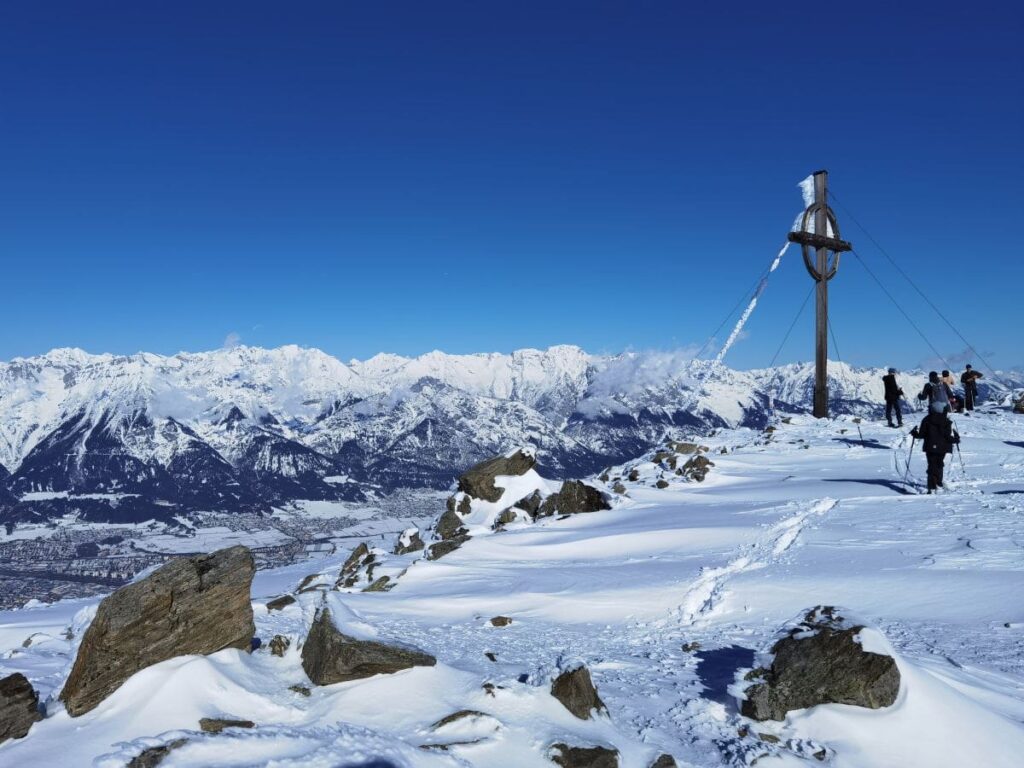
x,y
360,557
330,656
19,707
218,724
505,517
574,497
530,504
153,756
279,644
304,585
191,605
680,447
478,481
691,647
383,584
299,689
769,738
576,691
1018,405
664,761
449,526
442,548
584,757
491,656
634,475
409,541
462,714
662,484
820,662
279,603
619,488
666,457
501,621
697,468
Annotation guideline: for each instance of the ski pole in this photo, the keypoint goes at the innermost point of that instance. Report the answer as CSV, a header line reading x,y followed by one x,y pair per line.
x,y
910,454
961,457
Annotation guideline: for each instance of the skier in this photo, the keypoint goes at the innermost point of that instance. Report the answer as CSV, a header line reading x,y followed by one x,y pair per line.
x,y
935,391
969,378
893,393
937,438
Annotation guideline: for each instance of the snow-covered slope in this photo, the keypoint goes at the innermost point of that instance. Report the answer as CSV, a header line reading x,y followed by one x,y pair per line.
x,y
665,598
246,428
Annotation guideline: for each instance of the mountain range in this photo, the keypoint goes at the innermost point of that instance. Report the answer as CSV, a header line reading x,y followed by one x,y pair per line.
x,y
128,438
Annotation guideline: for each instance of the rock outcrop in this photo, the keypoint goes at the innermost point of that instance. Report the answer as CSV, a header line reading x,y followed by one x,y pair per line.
x,y
153,756
821,661
280,603
409,541
478,481
576,691
218,724
584,757
697,468
19,706
575,497
332,656
191,605
1018,405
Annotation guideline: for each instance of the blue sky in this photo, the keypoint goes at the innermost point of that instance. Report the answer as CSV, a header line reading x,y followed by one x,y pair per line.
x,y
401,177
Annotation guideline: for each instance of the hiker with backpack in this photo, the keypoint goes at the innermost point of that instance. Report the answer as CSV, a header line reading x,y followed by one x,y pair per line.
x,y
893,393
937,438
935,391
969,378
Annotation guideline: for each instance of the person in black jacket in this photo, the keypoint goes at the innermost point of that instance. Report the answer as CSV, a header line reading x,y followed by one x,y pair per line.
x,y
893,393
969,378
937,438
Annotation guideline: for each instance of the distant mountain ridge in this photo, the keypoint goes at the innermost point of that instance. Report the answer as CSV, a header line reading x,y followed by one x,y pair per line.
x,y
243,429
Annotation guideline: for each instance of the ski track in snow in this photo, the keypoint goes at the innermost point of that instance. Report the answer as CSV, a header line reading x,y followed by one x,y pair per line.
x,y
706,592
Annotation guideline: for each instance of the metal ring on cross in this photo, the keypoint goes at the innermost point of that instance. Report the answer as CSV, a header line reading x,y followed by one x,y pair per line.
x,y
812,268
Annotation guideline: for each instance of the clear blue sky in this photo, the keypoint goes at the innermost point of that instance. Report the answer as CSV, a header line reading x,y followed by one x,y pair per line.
x,y
473,176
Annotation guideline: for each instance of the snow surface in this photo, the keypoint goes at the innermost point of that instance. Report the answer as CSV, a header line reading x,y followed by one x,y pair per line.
x,y
811,514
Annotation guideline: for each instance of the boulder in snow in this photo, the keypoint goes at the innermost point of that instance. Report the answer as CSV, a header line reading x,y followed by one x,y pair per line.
x,y
573,498
576,691
218,724
584,757
409,541
19,706
331,655
478,481
280,603
821,660
191,605
153,756
697,468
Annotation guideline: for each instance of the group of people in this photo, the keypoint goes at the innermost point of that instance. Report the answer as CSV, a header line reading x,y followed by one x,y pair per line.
x,y
938,389
936,431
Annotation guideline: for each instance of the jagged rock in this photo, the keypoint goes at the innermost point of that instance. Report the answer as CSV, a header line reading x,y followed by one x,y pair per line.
x,y
279,644
299,689
19,707
218,724
634,475
360,557
574,497
153,756
668,457
478,481
576,691
279,603
584,757
530,504
504,518
664,761
442,548
383,584
697,468
619,488
304,585
409,541
820,662
191,605
331,656
449,525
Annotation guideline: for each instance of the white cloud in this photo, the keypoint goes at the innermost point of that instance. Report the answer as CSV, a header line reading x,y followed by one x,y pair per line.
x,y
233,339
